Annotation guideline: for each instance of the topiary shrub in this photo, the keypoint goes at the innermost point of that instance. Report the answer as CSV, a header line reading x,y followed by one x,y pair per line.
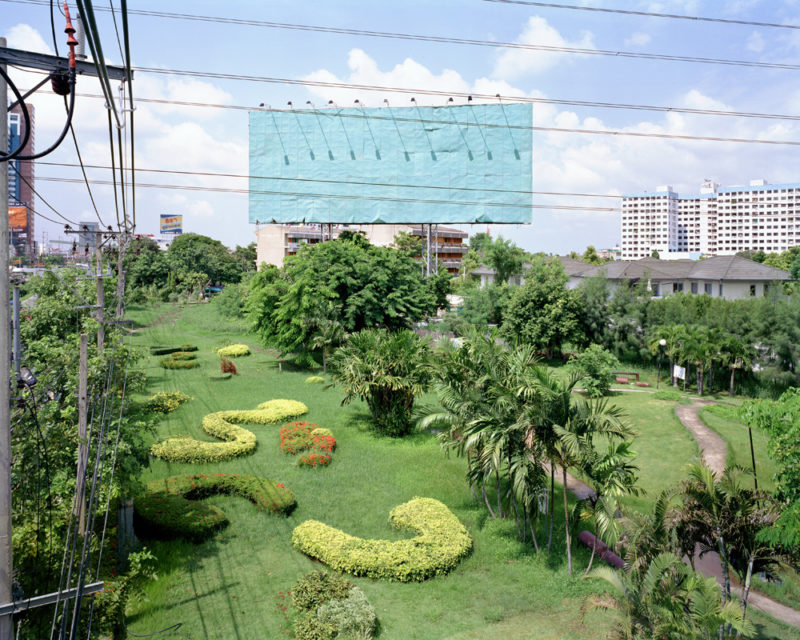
x,y
322,431
223,425
314,460
234,351
296,437
317,588
227,366
315,380
170,362
166,401
171,507
354,617
441,544
163,351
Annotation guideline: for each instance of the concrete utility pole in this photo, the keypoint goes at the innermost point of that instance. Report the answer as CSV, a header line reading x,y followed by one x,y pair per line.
x,y
101,300
6,562
83,445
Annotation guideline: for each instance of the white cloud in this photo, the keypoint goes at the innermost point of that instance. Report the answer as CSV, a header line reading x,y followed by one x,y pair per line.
x,y
638,39
513,63
23,36
755,42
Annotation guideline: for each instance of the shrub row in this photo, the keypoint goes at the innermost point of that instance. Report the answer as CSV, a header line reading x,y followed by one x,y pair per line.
x,y
315,380
171,508
166,401
331,607
223,425
163,351
314,460
234,351
180,360
441,544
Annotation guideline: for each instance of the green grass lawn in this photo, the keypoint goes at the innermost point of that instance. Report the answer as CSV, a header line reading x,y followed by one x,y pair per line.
x,y
231,586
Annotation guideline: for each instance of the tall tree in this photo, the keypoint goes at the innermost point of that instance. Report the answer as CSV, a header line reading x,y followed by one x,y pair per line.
x,y
506,259
192,252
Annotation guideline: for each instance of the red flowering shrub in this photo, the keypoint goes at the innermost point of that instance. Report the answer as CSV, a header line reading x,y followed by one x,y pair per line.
x,y
314,460
323,443
296,436
226,366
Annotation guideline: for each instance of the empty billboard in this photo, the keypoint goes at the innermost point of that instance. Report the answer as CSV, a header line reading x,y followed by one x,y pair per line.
x,y
456,164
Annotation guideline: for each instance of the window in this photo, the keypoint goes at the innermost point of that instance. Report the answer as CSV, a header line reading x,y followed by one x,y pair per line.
x,y
677,286
752,290
720,290
694,288
707,288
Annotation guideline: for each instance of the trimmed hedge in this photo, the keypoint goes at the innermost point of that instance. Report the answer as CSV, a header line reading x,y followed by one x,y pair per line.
x,y
163,351
314,460
233,351
224,425
315,380
180,360
296,436
441,544
171,508
330,607
166,401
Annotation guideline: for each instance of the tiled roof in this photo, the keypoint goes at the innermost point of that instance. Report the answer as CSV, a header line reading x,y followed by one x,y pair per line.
x,y
729,268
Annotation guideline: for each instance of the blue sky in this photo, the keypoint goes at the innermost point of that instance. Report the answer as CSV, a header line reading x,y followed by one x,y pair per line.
x,y
215,140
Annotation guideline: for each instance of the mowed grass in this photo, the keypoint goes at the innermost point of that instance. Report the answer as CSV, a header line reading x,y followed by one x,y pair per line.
x,y
233,585
229,586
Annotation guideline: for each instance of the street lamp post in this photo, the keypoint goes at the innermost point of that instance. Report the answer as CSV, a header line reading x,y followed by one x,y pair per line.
x,y
661,344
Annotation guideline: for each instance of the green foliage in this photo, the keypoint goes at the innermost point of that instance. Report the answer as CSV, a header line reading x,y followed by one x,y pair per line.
x,y
179,360
347,281
222,425
314,459
319,587
110,606
441,543
166,401
386,370
172,507
191,253
594,364
505,258
315,380
246,256
309,627
233,351
164,351
669,395
482,306
232,300
353,617
542,312
321,431
590,256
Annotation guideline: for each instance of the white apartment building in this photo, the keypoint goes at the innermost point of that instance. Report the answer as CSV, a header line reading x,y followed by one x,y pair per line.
x,y
717,221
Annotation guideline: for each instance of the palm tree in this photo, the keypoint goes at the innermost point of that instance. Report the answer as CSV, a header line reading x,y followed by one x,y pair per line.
x,y
696,348
667,599
612,476
329,332
673,335
736,354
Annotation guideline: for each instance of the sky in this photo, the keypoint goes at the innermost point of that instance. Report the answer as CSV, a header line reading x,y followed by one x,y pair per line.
x,y
174,137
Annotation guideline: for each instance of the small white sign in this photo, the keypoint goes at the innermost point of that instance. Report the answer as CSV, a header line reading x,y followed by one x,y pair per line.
x,y
679,372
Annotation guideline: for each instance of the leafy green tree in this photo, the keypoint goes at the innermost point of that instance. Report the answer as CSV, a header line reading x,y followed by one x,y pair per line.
x,y
408,243
195,253
595,364
593,296
387,370
506,259
543,312
590,256
736,354
674,337
328,332
246,256
368,286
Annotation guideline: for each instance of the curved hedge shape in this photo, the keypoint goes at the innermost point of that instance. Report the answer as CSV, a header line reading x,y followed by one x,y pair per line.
x,y
222,425
234,351
170,507
441,544
180,360
163,351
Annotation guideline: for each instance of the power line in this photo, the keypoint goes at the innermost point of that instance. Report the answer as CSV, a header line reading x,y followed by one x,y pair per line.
x,y
336,196
647,14
445,39
331,181
39,195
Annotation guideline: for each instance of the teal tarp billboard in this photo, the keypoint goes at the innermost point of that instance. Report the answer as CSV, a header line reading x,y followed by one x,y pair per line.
x,y
457,164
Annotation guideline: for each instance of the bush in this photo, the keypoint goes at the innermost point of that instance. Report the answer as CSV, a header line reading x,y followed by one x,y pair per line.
x,y
309,627
234,351
222,425
163,351
595,364
441,544
227,366
166,401
314,460
172,363
354,617
321,442
317,588
296,436
171,507
315,380
321,431
183,355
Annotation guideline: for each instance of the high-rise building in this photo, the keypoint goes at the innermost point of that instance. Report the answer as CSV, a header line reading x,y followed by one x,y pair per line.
x,y
717,221
20,184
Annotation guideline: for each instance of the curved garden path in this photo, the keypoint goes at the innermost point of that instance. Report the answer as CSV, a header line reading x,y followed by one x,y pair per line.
x,y
714,451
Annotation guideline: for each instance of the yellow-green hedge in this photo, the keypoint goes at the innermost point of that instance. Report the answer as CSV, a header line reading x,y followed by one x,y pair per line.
x,y
315,380
234,351
223,425
441,544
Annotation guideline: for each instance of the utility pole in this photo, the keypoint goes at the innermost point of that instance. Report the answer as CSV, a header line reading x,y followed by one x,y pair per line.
x,y
17,343
83,445
101,300
6,562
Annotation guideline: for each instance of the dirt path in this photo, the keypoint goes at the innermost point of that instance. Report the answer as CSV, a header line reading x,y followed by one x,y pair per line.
x,y
714,451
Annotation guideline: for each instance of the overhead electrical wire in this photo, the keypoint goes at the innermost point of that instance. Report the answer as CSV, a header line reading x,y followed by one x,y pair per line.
x,y
332,181
39,195
446,39
647,14
334,196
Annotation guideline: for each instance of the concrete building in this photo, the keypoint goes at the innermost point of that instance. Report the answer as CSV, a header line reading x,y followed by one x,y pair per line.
x,y
20,189
276,241
718,221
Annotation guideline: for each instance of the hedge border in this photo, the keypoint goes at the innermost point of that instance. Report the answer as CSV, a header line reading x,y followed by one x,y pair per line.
x,y
441,544
172,507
